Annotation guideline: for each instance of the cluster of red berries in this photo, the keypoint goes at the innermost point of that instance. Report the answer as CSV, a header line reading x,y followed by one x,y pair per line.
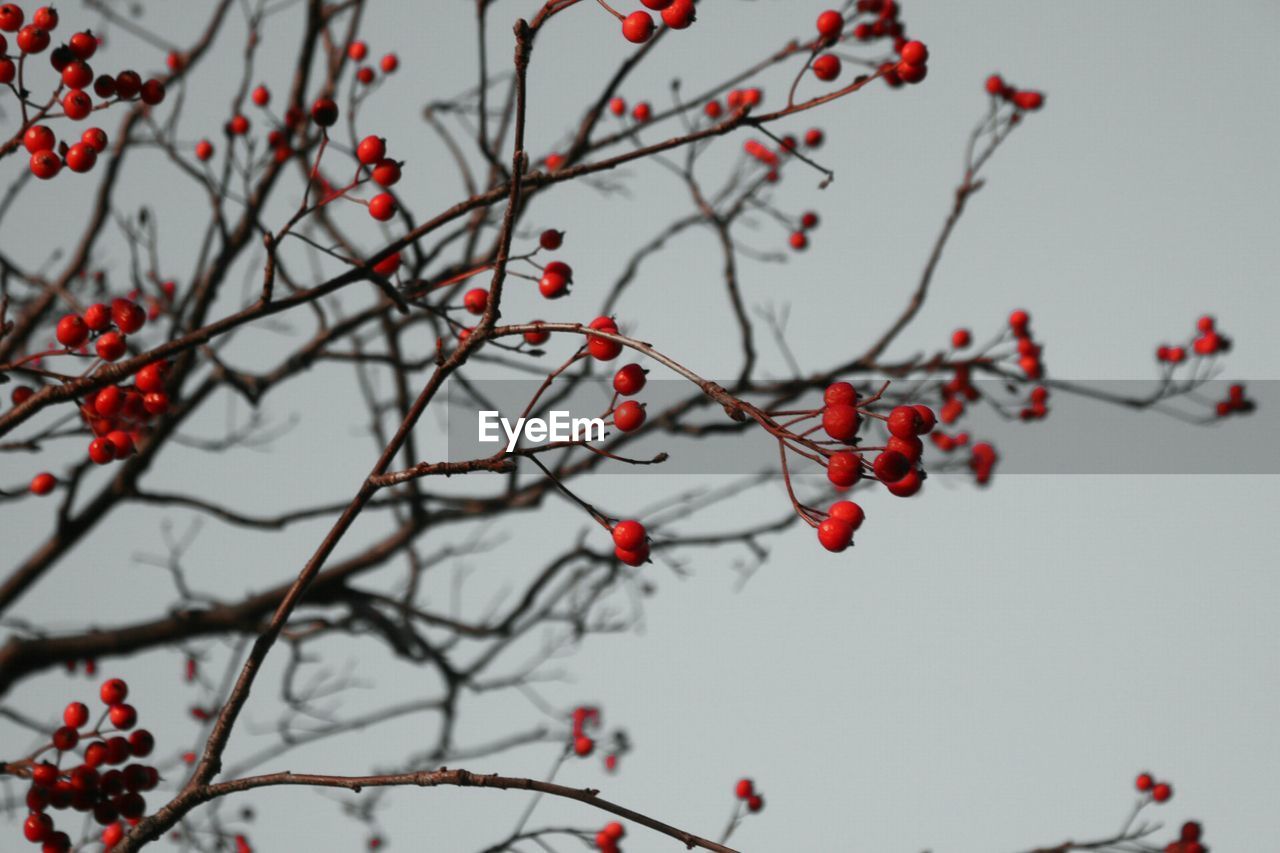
x,y
557,276
955,392
1188,839
584,716
913,55
607,839
1036,407
638,27
385,172
1208,341
70,61
1235,403
736,99
629,415
115,415
641,112
886,24
844,518
772,160
603,349
358,51
1028,350
1023,99
109,794
631,542
746,791
799,239
1159,792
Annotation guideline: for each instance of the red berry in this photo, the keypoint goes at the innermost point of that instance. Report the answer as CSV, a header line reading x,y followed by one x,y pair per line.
x,y
382,207
81,157
830,23
1162,792
755,802
65,738
798,241
910,447
629,416
633,558
840,393
76,714
155,403
238,126
37,827
848,512
83,45
113,691
841,421
844,468
809,221
927,419
324,112
45,164
123,716
826,67
128,315
77,105
614,830
961,338
109,401
261,96
914,53
151,377
388,265
908,485
204,150
642,112
553,285
602,348
476,300
583,746
891,466
1028,100
371,150
11,17
814,137
537,337
655,5
128,84
46,18
904,422
43,483
551,239
637,27
389,63
909,73
39,138
995,84
72,331
32,39
617,106
111,835
77,75
745,788
835,534
386,173
365,75
357,51
679,15
101,451
95,138
629,380
629,535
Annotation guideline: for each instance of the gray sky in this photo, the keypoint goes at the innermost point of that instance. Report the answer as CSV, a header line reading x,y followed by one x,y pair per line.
x,y
986,671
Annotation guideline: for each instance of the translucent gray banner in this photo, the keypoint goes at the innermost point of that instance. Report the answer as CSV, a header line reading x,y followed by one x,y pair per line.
x,y
1090,427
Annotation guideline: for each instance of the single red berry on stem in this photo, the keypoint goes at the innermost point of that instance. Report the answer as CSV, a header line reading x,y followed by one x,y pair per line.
x,y
629,416
371,150
835,534
45,165
848,512
1162,792
830,23
43,483
841,421
382,207
826,67
679,15
476,300
324,112
629,380
72,331
629,535
386,173
844,468
637,27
